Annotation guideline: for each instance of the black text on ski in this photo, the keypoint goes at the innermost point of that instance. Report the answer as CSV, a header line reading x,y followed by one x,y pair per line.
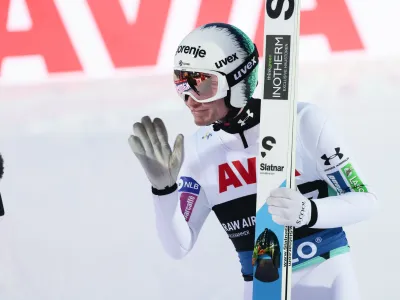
x,y
277,68
276,11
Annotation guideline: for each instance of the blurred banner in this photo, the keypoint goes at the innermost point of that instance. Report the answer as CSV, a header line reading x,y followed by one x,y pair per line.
x,y
45,39
75,75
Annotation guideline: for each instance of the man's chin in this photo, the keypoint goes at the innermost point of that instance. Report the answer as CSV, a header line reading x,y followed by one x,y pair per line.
x,y
202,121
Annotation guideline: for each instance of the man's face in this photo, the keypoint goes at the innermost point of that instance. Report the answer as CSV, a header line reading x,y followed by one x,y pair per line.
x,y
206,113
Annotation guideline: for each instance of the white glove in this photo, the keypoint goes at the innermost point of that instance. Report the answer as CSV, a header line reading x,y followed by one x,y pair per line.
x,y
289,207
150,145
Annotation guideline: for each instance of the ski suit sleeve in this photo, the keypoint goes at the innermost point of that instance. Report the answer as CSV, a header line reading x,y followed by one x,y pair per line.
x,y
335,164
181,213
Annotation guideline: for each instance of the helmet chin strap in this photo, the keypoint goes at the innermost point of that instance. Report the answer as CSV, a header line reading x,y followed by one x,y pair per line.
x,y
232,111
252,59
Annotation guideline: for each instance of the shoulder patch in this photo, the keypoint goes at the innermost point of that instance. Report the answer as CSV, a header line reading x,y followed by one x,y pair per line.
x,y
353,179
189,185
190,190
339,183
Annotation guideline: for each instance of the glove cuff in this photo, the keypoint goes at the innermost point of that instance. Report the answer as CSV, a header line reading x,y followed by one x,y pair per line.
x,y
167,190
314,214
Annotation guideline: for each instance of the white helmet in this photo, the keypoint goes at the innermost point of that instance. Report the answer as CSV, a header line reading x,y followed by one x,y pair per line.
x,y
215,61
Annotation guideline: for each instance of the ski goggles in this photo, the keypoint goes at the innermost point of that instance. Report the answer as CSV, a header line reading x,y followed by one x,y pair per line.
x,y
202,85
206,85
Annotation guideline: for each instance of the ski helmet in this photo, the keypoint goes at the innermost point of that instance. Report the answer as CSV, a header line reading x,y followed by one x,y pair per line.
x,y
216,61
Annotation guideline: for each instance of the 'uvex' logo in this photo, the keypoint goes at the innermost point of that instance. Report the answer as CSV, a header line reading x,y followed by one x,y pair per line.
x,y
227,60
246,69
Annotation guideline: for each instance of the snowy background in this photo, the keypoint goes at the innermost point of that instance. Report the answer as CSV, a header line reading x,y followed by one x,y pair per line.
x,y
79,219
80,222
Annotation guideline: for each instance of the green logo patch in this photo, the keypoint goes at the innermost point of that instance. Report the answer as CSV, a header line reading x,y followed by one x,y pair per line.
x,y
352,177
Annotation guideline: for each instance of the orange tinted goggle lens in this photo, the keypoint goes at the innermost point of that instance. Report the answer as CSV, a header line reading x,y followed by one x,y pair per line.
x,y
199,85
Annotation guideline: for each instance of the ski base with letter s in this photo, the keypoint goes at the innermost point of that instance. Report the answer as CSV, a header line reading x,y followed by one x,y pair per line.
x,y
272,255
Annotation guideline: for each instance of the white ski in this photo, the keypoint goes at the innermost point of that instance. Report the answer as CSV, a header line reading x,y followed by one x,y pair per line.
x,y
272,257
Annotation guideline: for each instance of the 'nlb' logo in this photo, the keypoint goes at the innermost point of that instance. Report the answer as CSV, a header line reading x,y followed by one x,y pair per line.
x,y
189,191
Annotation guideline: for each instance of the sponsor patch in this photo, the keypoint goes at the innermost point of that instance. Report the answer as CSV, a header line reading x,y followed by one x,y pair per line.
x,y
327,160
188,201
339,183
227,60
190,190
277,67
192,50
188,185
353,179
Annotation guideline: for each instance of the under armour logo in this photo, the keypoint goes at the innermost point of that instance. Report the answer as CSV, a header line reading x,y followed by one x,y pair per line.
x,y
249,115
327,159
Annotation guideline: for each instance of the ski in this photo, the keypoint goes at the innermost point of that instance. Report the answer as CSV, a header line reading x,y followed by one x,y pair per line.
x,y
272,255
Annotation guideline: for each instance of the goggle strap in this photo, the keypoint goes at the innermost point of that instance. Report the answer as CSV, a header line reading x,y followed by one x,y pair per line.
x,y
242,71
